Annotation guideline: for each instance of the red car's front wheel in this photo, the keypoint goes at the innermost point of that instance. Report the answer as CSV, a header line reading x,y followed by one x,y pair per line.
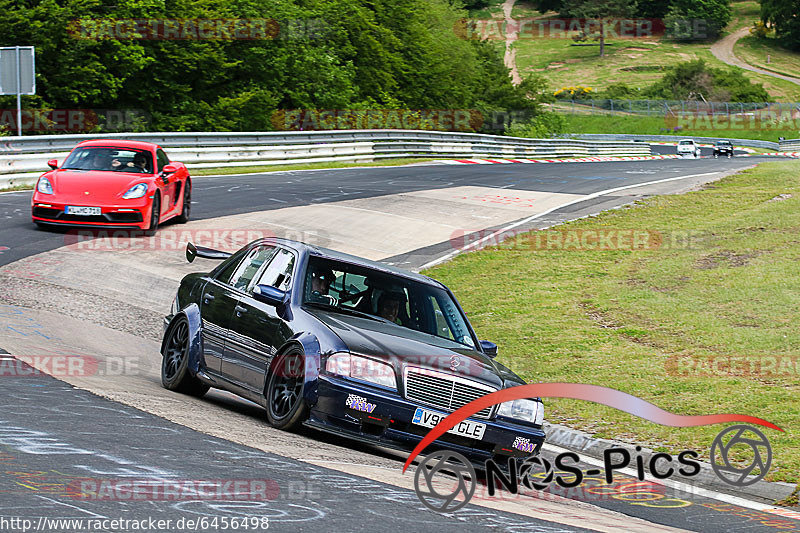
x,y
186,210
154,216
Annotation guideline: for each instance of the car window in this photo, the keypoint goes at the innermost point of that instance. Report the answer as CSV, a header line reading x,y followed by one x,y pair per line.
x,y
406,302
162,159
278,273
250,266
110,158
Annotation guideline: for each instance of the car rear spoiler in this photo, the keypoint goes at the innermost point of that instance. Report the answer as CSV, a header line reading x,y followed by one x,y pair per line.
x,y
193,251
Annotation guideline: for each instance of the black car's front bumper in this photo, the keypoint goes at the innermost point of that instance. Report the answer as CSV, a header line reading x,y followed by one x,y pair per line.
x,y
390,424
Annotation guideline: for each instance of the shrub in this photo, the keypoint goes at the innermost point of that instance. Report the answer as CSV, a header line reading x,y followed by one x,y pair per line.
x,y
542,126
574,92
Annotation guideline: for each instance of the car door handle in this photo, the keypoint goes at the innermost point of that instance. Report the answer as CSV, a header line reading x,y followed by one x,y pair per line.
x,y
208,297
239,310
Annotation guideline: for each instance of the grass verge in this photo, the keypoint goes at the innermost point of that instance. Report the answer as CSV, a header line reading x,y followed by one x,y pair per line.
x,y
721,285
637,62
17,188
754,51
647,125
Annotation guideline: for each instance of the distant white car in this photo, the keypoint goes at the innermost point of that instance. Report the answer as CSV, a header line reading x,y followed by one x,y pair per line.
x,y
688,147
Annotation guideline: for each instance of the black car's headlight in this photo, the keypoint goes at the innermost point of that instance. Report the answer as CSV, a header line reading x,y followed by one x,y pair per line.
x,y
362,369
531,411
174,309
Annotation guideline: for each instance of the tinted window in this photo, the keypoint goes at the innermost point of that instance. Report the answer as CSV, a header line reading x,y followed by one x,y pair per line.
x,y
250,266
162,159
110,158
278,272
403,301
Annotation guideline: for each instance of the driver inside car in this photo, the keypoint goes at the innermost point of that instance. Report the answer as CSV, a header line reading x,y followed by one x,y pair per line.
x,y
389,305
321,280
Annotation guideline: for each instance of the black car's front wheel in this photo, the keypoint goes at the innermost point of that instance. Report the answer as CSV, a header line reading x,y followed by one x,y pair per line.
x,y
175,362
286,408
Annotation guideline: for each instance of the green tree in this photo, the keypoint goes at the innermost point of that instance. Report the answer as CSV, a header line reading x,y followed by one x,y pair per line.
x,y
604,12
695,80
784,16
329,54
697,19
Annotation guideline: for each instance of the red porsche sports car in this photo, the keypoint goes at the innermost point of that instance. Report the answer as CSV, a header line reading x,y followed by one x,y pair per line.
x,y
113,184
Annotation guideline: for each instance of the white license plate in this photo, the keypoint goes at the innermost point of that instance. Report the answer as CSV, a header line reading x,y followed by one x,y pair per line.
x,y
81,210
465,428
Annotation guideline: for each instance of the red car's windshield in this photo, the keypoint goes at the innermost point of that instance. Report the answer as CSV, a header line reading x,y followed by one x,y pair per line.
x,y
110,158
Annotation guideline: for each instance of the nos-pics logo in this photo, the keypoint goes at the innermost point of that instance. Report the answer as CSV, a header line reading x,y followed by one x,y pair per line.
x,y
445,481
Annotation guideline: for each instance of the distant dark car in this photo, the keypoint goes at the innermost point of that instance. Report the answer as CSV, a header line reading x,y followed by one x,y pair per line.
x,y
723,148
344,345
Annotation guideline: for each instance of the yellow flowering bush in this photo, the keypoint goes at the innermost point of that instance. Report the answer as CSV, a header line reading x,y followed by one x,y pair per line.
x,y
574,92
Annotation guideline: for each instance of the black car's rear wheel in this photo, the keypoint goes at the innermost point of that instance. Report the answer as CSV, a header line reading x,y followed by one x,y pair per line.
x,y
175,362
286,408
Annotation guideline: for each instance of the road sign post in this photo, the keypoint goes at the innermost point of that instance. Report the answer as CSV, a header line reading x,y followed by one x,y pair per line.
x,y
17,75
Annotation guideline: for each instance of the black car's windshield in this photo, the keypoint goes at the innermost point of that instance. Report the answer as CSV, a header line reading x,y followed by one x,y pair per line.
x,y
110,158
351,288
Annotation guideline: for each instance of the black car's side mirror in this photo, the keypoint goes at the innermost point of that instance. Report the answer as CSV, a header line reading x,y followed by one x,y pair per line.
x,y
489,348
269,295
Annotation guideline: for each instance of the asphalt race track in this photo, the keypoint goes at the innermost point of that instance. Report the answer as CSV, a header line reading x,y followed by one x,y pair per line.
x,y
124,426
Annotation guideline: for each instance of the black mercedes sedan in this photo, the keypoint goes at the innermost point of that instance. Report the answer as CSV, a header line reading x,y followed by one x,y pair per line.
x,y
342,344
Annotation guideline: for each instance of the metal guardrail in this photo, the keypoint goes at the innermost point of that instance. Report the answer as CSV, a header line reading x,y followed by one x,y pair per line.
x,y
790,145
750,143
22,159
57,143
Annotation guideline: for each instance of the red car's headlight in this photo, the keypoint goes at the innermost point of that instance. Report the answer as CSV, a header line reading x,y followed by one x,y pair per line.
x,y
137,191
44,186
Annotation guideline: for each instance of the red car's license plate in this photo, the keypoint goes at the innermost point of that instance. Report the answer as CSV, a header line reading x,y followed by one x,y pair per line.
x,y
81,210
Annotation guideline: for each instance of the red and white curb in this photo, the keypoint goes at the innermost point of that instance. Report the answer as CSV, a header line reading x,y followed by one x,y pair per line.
x,y
570,160
598,159
772,154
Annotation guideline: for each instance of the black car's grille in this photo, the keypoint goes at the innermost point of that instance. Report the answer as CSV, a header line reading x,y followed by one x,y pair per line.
x,y
445,391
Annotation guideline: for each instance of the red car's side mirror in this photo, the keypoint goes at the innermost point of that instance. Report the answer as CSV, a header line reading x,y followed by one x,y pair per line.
x,y
53,163
169,168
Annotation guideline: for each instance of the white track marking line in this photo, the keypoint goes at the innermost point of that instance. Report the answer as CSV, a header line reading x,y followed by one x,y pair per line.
x,y
683,487
452,254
